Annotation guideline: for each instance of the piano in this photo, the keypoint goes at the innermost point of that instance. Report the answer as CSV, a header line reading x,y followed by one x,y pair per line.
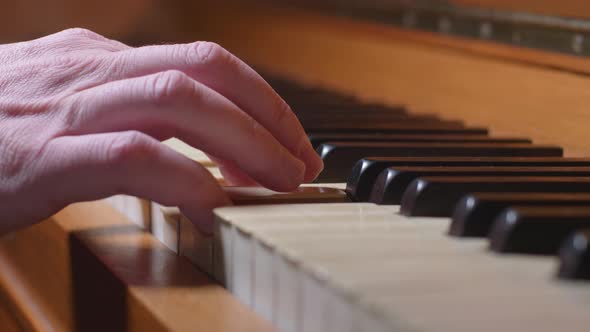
x,y
456,193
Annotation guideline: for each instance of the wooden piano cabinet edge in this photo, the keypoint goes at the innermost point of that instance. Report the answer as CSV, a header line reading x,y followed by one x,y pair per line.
x,y
514,92
90,268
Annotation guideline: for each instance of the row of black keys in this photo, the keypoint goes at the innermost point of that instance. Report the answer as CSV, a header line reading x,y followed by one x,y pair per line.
x,y
526,198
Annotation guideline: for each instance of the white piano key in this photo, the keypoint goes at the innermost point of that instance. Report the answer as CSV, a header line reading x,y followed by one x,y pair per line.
x,y
287,314
239,249
165,225
195,246
243,262
135,209
342,316
223,253
336,185
188,151
437,270
263,300
314,303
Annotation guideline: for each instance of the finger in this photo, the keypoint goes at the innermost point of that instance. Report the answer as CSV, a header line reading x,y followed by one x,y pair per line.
x,y
213,66
89,167
233,175
80,39
172,104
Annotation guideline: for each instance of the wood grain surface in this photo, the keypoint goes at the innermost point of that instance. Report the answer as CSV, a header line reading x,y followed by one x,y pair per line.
x,y
89,262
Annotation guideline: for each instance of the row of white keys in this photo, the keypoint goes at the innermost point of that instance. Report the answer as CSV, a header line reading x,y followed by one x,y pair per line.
x,y
181,236
405,273
248,263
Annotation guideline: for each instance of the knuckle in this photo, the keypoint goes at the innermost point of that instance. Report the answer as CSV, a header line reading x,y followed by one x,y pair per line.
x,y
129,147
209,53
71,111
170,85
80,33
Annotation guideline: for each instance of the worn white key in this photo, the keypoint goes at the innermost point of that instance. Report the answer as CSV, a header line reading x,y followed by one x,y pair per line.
x,y
135,209
202,250
165,225
440,270
190,152
249,276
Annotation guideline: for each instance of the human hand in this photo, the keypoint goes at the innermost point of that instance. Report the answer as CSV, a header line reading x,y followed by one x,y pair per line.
x,y
81,117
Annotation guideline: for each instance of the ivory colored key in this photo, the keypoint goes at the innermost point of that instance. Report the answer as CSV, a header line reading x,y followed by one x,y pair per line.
x,y
536,230
165,225
250,272
230,219
167,221
189,151
392,182
438,196
409,269
200,249
134,208
317,139
258,195
366,171
574,256
475,213
340,157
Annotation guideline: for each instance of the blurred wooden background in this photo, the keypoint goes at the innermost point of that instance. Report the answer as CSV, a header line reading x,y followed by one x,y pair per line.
x,y
149,21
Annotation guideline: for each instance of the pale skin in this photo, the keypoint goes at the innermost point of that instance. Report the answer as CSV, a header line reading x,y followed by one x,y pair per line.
x,y
82,117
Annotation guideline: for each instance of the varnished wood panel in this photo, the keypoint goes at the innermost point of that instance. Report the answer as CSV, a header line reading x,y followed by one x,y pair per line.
x,y
571,8
89,268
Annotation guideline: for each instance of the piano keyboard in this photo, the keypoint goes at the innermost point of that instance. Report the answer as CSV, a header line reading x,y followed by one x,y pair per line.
x,y
416,224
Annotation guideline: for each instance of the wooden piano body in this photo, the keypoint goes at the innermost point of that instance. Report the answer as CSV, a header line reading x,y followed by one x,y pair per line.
x,y
90,267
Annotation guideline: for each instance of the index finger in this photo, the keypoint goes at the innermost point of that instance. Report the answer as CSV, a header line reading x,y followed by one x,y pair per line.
x,y
210,64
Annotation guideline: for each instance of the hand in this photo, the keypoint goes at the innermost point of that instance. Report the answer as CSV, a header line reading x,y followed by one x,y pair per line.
x,y
81,117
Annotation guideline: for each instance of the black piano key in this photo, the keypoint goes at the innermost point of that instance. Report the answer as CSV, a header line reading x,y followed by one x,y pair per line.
x,y
344,125
311,123
400,128
536,230
574,256
340,157
438,196
317,139
392,182
327,108
365,172
475,213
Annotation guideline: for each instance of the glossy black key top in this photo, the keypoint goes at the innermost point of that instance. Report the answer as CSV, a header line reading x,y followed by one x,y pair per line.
x,y
536,230
344,125
574,256
317,139
340,157
400,128
392,182
438,196
366,171
337,120
475,213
